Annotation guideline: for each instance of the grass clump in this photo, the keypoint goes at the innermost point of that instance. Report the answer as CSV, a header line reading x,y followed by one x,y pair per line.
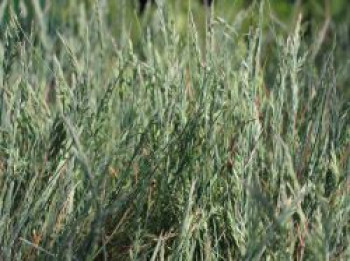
x,y
185,148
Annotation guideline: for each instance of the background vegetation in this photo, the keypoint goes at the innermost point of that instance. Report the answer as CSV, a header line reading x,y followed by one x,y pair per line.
x,y
184,134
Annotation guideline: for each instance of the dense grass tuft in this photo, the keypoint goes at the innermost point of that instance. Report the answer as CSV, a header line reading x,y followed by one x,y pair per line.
x,y
177,145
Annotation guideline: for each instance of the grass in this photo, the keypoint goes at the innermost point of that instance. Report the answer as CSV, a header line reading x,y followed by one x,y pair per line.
x,y
176,146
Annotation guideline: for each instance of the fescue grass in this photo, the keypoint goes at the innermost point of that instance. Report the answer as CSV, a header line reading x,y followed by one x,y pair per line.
x,y
178,147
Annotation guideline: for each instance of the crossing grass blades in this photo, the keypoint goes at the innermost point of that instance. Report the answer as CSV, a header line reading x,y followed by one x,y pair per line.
x,y
178,150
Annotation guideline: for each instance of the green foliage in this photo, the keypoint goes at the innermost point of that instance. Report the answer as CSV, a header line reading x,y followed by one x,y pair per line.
x,y
197,138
